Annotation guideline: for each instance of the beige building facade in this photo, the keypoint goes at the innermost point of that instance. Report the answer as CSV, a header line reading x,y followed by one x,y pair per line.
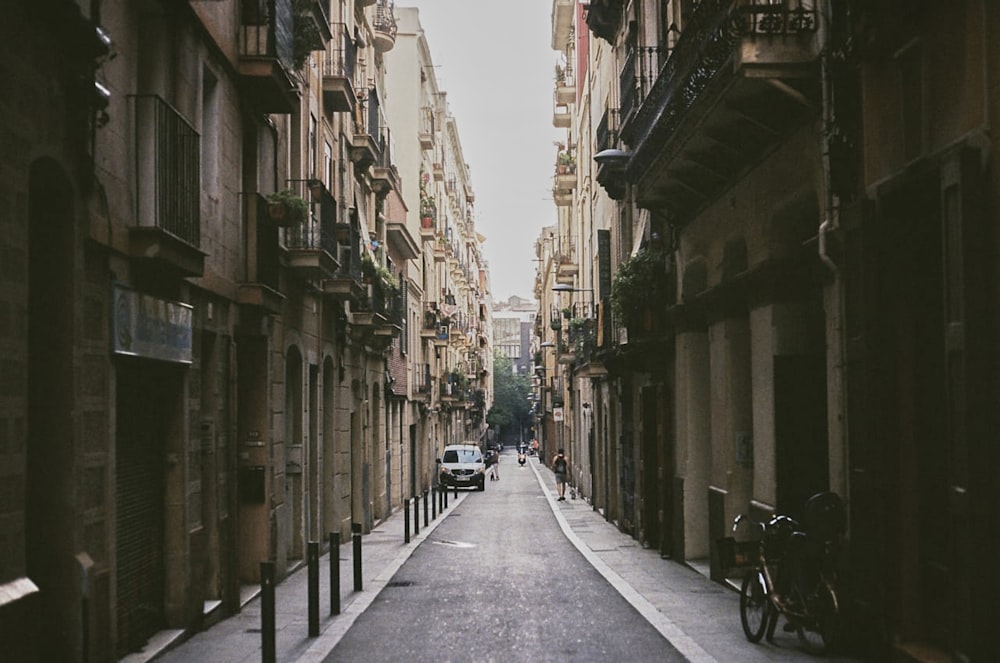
x,y
212,293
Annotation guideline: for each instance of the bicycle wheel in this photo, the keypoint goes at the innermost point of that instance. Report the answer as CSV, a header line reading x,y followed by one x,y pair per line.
x,y
819,635
754,606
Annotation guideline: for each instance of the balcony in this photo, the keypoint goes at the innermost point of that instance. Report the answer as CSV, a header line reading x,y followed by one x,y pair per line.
x,y
385,175
610,172
267,56
562,197
741,79
561,119
566,262
384,26
346,283
563,12
441,249
426,129
420,380
311,246
167,233
259,289
368,141
432,322
312,27
339,67
378,318
604,18
565,93
566,172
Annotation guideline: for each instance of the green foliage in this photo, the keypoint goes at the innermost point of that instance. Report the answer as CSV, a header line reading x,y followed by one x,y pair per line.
x,y
637,283
510,409
385,278
296,207
306,37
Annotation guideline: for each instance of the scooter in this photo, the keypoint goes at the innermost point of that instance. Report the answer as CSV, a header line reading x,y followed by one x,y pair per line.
x,y
521,458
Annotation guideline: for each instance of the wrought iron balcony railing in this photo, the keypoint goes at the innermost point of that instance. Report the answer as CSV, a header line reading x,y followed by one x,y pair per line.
x,y
267,30
704,47
318,231
384,25
167,170
638,73
340,64
606,134
421,377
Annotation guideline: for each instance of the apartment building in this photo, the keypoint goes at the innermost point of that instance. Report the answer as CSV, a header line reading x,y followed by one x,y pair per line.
x,y
212,298
789,214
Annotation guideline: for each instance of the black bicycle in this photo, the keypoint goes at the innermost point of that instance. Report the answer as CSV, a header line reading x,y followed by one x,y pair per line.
x,y
791,571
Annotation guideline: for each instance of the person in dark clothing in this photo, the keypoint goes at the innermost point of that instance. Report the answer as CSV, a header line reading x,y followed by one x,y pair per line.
x,y
560,466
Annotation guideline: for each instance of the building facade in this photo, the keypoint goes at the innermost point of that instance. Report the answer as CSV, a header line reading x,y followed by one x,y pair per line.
x,y
779,222
212,294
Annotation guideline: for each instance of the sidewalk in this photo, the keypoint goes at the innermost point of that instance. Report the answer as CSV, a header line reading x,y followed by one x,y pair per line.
x,y
698,616
238,638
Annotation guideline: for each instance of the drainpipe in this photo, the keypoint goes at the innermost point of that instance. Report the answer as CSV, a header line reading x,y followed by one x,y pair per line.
x,y
830,209
839,461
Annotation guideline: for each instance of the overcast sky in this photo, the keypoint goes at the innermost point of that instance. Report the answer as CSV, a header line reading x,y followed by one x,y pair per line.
x,y
495,61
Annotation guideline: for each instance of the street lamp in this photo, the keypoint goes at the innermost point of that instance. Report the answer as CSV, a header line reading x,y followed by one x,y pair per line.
x,y
565,287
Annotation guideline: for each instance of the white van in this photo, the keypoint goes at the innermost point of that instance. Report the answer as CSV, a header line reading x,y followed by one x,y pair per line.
x,y
462,465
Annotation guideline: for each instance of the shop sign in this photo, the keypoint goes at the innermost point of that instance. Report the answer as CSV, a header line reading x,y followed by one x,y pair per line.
x,y
150,327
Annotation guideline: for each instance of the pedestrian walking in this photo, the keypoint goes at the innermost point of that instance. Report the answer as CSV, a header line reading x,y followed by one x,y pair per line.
x,y
560,465
495,467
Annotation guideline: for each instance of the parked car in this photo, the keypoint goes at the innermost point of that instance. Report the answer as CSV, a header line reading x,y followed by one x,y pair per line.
x,y
462,466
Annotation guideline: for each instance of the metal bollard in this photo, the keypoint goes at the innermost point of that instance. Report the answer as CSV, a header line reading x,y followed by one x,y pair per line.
x,y
434,503
312,548
406,521
356,535
425,507
416,515
267,641
444,491
334,573
456,491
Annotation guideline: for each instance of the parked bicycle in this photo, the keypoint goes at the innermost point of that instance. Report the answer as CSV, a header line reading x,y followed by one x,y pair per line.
x,y
792,572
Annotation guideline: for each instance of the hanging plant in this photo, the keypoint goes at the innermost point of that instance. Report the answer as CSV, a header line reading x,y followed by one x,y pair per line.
x,y
637,284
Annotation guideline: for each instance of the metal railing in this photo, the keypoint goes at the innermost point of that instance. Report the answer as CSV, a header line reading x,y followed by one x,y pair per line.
x,y
167,169
318,231
341,59
385,21
267,30
642,63
606,134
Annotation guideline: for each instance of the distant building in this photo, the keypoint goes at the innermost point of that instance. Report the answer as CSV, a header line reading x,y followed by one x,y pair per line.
x,y
513,322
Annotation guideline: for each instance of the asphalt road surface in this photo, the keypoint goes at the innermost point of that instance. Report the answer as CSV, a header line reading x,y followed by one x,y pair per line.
x,y
498,581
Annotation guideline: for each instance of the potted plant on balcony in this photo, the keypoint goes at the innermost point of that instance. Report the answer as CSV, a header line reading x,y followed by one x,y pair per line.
x,y
378,274
287,208
566,163
428,210
560,75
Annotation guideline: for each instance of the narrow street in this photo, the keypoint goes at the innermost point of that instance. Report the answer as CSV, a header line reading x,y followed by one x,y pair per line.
x,y
498,580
